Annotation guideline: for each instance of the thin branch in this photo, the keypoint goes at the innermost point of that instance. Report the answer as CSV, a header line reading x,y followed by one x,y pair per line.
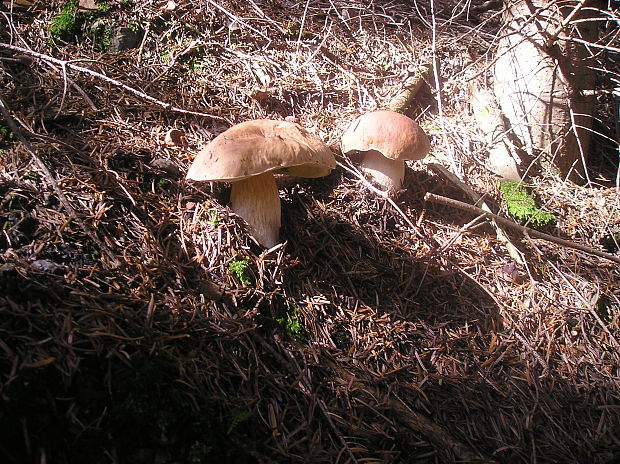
x,y
236,19
523,229
59,193
401,102
477,199
438,89
553,37
69,64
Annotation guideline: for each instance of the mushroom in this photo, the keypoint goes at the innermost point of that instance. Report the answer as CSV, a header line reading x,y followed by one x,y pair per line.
x,y
385,139
248,154
175,138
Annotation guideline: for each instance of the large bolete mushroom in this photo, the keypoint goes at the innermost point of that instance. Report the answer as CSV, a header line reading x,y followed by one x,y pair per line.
x,y
385,139
248,154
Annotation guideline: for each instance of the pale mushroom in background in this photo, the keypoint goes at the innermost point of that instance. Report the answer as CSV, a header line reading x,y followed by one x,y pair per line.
x,y
385,139
248,154
170,6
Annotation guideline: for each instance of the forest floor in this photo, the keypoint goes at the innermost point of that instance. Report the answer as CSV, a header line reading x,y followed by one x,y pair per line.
x,y
139,322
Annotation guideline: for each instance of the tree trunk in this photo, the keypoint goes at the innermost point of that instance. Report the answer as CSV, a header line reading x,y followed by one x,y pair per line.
x,y
545,86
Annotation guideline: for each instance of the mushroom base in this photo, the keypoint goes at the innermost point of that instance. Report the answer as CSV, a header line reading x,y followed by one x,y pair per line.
x,y
386,172
257,201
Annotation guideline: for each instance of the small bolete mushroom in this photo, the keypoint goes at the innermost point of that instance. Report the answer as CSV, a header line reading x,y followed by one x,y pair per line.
x,y
175,138
248,154
385,139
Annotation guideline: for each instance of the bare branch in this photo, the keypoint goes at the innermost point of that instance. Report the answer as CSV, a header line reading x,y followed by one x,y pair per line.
x,y
69,64
523,229
59,193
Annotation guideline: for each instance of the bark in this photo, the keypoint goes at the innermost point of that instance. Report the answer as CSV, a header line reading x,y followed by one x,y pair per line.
x,y
545,86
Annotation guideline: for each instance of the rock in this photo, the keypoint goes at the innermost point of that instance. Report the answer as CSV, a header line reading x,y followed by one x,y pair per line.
x,y
87,5
46,265
166,166
170,6
125,38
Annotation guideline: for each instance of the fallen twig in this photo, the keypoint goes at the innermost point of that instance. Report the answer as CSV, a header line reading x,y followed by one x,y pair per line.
x,y
52,180
514,226
69,64
236,19
553,37
401,102
411,419
501,236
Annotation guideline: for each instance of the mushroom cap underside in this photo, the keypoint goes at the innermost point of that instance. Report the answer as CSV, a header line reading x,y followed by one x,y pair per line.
x,y
394,135
260,146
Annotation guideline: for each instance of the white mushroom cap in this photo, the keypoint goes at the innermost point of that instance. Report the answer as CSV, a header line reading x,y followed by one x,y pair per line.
x,y
248,154
386,139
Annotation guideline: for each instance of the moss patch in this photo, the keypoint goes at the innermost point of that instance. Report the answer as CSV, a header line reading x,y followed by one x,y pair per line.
x,y
241,270
522,206
65,24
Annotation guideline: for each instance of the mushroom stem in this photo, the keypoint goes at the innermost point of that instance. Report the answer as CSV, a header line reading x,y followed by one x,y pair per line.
x,y
257,201
384,171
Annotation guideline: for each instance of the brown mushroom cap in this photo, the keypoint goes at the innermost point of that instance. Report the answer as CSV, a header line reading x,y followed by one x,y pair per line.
x,y
248,154
175,138
259,146
392,134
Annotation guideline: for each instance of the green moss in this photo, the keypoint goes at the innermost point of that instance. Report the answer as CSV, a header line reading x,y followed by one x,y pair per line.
x,y
241,270
102,35
292,324
214,218
603,306
238,417
103,7
522,206
32,175
65,23
163,184
166,56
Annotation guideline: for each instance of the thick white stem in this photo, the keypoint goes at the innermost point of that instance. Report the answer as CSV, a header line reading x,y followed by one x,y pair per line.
x,y
384,171
257,201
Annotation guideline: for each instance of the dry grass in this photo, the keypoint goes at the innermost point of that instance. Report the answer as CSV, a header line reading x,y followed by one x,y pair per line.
x,y
362,338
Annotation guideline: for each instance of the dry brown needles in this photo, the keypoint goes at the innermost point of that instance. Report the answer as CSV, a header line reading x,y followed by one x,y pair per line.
x,y
380,331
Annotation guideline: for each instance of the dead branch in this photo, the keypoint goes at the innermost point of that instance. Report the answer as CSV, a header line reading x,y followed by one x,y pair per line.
x,y
69,64
401,102
52,180
514,226
236,19
553,37
501,236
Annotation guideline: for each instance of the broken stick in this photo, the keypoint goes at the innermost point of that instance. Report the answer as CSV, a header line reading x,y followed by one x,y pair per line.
x,y
528,232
